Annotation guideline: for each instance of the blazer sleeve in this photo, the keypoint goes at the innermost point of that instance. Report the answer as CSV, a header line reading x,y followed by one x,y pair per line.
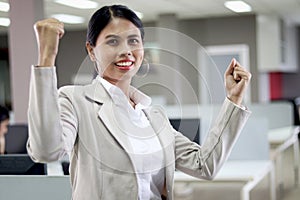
x,y
205,161
52,120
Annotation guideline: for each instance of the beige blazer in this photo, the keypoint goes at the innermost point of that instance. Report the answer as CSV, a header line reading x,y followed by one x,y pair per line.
x,y
79,120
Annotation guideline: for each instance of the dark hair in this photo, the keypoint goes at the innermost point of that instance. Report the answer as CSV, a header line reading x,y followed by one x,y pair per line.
x,y
104,15
4,113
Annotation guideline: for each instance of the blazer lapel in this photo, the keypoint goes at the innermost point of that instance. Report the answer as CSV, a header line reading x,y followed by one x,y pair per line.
x,y
164,131
161,125
108,116
106,112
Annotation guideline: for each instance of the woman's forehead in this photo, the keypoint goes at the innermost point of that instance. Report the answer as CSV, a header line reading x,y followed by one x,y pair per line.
x,y
119,27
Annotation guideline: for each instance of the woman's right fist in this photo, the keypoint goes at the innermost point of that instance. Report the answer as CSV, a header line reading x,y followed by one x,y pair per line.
x,y
48,32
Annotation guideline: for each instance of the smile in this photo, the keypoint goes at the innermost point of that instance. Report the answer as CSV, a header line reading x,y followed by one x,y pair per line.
x,y
124,65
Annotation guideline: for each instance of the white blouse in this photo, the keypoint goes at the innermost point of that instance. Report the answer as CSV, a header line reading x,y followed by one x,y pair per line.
x,y
146,152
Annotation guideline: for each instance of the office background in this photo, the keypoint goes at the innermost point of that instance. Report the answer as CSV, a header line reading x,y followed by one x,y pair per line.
x,y
268,82
271,39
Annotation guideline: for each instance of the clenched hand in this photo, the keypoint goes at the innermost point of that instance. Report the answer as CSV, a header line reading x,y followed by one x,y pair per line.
x,y
48,32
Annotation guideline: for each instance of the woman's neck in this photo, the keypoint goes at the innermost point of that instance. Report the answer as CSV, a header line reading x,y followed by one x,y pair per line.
x,y
124,85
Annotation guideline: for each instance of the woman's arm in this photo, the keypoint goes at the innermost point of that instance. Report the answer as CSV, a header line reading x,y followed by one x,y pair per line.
x,y
206,160
52,120
51,133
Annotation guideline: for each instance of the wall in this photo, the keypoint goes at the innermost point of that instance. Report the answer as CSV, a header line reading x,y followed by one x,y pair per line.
x,y
227,30
291,81
71,55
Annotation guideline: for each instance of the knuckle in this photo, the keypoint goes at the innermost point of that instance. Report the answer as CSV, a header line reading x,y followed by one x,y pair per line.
x,y
38,25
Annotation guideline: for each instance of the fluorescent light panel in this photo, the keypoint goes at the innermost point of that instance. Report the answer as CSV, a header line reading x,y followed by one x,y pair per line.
x,y
238,6
69,19
4,7
4,21
81,4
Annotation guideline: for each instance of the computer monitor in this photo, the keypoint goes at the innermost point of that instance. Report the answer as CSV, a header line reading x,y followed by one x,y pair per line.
x,y
20,164
190,127
16,139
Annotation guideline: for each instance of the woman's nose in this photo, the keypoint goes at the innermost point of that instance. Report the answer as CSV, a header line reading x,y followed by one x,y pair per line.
x,y
125,50
127,53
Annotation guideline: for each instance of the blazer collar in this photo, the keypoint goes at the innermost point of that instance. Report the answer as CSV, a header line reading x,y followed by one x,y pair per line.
x,y
96,92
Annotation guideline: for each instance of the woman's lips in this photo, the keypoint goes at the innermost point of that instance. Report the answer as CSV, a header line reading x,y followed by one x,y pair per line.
x,y
124,65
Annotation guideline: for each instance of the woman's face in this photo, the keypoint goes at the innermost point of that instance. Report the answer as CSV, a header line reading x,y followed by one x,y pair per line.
x,y
3,127
119,51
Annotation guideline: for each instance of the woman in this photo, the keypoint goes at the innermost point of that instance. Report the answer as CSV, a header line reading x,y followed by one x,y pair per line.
x,y
120,147
4,121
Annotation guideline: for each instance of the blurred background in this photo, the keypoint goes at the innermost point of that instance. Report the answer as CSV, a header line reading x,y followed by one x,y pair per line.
x,y
188,46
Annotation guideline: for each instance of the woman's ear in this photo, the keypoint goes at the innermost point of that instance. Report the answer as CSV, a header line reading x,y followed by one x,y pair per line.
x,y
90,51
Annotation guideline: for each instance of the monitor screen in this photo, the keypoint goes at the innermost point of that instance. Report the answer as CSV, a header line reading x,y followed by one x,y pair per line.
x,y
190,127
16,139
20,164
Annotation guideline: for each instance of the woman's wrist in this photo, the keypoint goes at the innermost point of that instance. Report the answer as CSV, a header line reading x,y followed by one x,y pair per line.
x,y
235,99
46,59
46,62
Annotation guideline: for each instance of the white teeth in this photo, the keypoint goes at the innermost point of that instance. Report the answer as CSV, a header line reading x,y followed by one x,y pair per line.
x,y
124,64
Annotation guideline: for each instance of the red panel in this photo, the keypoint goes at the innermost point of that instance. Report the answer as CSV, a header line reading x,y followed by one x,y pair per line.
x,y
275,85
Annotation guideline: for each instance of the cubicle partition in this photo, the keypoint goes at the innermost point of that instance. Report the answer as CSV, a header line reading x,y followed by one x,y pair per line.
x,y
248,164
36,187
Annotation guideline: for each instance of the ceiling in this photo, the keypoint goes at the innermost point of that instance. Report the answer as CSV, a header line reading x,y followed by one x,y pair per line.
x,y
287,9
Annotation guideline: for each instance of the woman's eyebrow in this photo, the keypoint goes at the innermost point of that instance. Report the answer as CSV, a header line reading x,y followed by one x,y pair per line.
x,y
112,36
116,36
133,35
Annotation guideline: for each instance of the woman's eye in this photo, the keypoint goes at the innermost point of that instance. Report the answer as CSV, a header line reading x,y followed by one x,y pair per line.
x,y
134,41
112,42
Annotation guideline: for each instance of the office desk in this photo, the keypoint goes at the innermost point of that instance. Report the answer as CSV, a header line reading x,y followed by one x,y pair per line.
x,y
280,139
250,173
36,187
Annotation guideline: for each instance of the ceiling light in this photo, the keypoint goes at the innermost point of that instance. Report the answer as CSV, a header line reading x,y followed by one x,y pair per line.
x,y
4,7
81,4
4,21
69,19
238,6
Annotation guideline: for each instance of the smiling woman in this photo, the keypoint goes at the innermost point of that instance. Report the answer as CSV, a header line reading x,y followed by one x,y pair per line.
x,y
118,52
120,146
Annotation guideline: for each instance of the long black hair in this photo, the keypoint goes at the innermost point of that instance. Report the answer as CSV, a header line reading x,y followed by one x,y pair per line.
x,y
4,113
104,15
